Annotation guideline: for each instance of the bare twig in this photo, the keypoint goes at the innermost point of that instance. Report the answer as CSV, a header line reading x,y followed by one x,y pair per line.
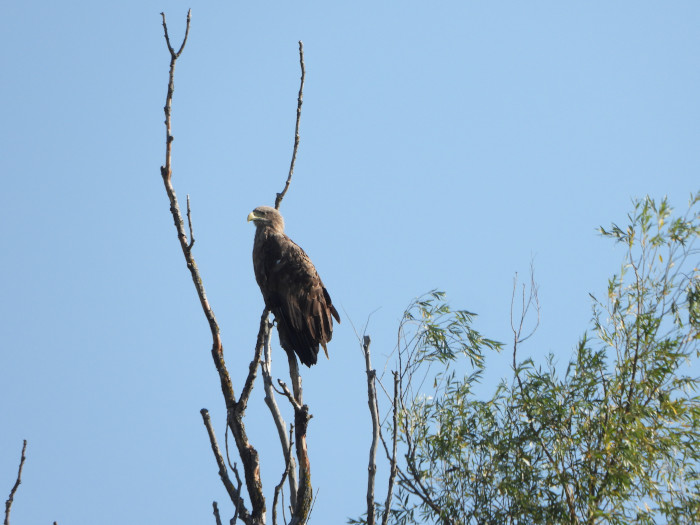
x,y
171,88
518,338
287,469
189,222
300,101
216,513
301,421
239,484
313,504
374,411
288,394
8,503
184,40
305,492
300,512
263,334
233,493
532,297
295,376
412,478
394,439
280,424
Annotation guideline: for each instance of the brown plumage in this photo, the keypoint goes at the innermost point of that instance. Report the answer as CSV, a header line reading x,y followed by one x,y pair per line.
x,y
291,288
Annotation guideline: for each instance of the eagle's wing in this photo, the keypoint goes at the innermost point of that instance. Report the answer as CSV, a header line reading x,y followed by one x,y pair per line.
x,y
296,295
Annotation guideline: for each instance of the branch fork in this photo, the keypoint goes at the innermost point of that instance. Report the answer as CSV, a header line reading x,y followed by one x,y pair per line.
x,y
300,490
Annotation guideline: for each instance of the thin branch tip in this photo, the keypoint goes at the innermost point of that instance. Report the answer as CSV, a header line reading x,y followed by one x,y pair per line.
x,y
11,498
300,101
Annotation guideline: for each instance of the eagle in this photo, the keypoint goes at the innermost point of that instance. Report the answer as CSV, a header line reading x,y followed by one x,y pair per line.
x,y
291,288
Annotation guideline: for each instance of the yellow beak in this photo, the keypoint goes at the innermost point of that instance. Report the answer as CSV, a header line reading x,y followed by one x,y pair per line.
x,y
251,216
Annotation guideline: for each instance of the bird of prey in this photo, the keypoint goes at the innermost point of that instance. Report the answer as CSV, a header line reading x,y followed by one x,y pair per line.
x,y
291,288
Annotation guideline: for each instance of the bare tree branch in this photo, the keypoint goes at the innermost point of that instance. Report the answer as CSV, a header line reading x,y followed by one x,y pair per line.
x,y
239,484
532,297
394,440
374,411
300,101
300,490
288,394
263,335
216,513
518,337
410,480
301,421
233,493
235,411
305,492
184,40
189,222
288,468
8,503
295,376
165,170
280,424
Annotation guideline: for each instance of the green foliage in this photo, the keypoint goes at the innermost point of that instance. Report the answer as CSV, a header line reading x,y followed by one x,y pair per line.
x,y
614,438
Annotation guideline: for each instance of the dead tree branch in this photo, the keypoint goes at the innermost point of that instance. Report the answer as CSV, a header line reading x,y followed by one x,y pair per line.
x,y
300,512
394,441
305,492
239,484
288,394
233,493
8,503
235,410
189,222
280,424
300,101
529,300
216,513
288,469
374,411
295,376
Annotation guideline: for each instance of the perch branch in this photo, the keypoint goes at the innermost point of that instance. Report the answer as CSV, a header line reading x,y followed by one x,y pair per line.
x,y
295,377
249,456
8,503
300,101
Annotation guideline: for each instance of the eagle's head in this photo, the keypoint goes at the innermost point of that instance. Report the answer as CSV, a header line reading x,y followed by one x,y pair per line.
x,y
267,217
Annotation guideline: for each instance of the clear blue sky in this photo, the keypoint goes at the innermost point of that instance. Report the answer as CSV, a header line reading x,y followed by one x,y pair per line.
x,y
443,145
